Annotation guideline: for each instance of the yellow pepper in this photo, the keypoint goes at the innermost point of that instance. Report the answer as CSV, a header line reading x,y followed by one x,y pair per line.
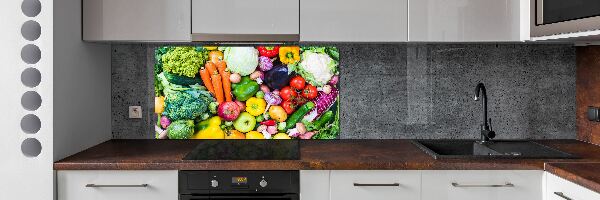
x,y
210,129
255,106
210,48
289,55
159,104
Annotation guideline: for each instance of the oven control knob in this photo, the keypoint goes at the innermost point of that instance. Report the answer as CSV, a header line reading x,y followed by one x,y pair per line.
x,y
263,183
214,183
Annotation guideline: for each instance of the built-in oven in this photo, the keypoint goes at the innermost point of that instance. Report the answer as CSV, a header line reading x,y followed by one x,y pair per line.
x,y
553,17
238,185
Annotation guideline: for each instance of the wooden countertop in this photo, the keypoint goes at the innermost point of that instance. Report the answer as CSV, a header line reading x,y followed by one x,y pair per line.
x,y
315,155
584,174
331,155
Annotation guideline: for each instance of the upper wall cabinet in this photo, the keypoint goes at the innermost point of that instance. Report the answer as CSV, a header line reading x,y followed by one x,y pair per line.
x,y
353,20
468,20
245,20
136,20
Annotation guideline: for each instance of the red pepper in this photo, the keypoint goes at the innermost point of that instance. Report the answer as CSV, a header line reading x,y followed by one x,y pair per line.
x,y
268,51
268,123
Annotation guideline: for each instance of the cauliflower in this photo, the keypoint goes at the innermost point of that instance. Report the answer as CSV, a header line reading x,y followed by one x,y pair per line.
x,y
317,68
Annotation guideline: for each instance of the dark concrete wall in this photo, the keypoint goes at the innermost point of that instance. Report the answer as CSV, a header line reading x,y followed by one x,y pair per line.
x,y
411,90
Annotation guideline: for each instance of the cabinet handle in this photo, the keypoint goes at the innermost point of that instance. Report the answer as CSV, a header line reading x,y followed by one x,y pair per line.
x,y
492,185
560,194
376,184
115,186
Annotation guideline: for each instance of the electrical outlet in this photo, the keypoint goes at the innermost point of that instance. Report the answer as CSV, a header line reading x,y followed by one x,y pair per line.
x,y
135,112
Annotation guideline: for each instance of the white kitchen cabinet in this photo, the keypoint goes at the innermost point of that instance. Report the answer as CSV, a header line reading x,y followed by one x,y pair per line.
x,y
468,20
136,20
482,184
244,20
314,185
374,184
560,189
353,20
117,185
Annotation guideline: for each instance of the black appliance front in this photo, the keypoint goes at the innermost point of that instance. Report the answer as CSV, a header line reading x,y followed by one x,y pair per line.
x,y
234,185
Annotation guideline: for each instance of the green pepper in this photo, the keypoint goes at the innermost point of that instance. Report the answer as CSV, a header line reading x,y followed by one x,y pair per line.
x,y
245,89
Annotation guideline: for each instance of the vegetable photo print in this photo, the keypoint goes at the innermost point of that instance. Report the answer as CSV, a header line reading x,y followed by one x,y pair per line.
x,y
262,92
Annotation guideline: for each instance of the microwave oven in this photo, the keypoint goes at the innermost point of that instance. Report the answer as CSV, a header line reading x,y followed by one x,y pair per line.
x,y
555,17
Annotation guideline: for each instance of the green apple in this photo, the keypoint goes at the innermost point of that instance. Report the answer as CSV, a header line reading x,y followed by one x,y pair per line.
x,y
245,122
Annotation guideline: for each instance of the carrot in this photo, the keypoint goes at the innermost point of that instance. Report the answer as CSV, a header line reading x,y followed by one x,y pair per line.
x,y
222,67
210,66
206,80
218,86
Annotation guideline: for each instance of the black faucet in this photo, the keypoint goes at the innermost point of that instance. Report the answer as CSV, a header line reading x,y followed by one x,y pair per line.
x,y
486,129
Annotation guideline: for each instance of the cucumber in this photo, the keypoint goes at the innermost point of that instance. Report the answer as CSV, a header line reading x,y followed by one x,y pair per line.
x,y
299,114
321,121
182,80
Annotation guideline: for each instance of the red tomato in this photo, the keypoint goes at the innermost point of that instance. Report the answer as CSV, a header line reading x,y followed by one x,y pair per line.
x,y
297,82
310,92
289,107
287,93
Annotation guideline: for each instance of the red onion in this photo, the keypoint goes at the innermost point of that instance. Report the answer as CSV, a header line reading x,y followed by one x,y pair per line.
x,y
334,80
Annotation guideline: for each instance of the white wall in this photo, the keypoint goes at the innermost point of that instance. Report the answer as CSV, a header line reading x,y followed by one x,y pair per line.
x,y
82,89
75,93
24,177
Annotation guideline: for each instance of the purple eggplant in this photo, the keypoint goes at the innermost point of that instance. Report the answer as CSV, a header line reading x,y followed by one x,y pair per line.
x,y
278,77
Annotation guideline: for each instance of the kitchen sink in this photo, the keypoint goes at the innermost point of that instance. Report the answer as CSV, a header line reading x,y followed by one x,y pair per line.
x,y
440,149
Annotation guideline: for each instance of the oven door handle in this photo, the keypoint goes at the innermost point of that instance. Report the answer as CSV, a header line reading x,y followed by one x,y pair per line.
x,y
248,196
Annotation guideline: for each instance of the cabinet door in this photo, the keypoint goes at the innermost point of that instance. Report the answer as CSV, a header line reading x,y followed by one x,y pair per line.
x,y
560,189
353,20
376,185
136,20
468,20
244,20
117,185
482,184
314,185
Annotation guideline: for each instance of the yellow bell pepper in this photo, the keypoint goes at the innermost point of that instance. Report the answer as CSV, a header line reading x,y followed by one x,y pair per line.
x,y
289,55
255,106
210,48
210,129
159,104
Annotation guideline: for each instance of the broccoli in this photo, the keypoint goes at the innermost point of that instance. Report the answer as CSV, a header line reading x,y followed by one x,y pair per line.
x,y
183,105
181,129
183,61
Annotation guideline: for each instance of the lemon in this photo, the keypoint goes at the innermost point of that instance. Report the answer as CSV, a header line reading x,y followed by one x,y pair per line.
x,y
281,136
254,135
214,121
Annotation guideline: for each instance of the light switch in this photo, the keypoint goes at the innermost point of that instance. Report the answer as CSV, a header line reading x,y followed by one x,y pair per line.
x,y
135,112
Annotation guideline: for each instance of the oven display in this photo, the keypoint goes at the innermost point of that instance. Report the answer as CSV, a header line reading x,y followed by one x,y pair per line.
x,y
239,180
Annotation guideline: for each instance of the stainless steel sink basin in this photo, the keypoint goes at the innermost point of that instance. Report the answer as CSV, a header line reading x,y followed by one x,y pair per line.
x,y
495,149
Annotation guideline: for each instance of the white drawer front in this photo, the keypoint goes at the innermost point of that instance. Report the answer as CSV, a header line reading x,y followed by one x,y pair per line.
x,y
314,185
567,189
482,185
161,185
343,185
